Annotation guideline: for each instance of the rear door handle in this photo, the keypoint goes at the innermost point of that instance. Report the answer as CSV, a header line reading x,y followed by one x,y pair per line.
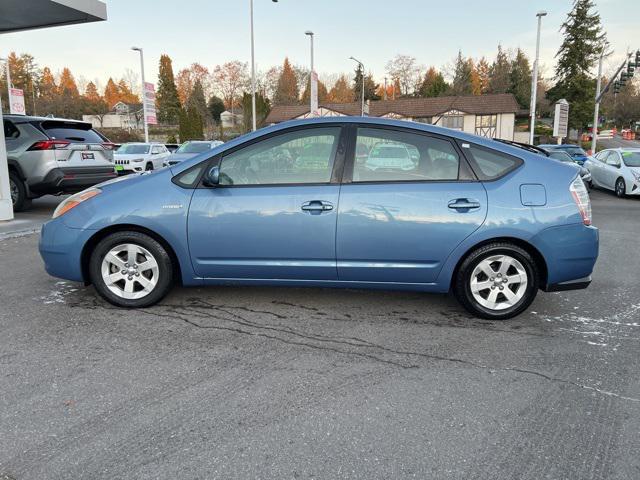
x,y
463,204
317,206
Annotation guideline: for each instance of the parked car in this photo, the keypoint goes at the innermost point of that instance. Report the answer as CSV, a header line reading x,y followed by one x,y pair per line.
x,y
172,147
502,225
53,156
562,156
385,155
138,157
576,152
191,149
616,169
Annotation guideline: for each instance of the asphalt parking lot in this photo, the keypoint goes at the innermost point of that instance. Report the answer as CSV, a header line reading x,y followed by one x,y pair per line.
x,y
311,383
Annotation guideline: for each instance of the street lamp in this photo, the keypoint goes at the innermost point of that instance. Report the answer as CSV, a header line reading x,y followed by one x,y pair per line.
x,y
253,69
312,102
534,78
144,103
362,88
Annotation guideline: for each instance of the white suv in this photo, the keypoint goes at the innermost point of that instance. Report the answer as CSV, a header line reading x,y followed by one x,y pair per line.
x,y
138,157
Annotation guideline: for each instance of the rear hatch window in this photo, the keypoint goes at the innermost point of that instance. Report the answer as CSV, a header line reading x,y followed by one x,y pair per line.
x,y
71,131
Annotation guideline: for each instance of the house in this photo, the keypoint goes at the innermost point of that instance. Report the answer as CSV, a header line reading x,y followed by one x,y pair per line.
x,y
122,115
230,120
487,115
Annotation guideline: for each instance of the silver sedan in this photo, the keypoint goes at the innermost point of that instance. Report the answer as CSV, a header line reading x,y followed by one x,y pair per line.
x,y
616,169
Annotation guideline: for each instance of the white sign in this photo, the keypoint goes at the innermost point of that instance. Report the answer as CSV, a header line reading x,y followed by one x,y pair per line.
x,y
149,99
16,101
314,95
561,119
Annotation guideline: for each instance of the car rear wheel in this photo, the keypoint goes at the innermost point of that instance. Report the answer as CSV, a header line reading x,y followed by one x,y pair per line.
x,y
18,191
131,269
621,188
497,281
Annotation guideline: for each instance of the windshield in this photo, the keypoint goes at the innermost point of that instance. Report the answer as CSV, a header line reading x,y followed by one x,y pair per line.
x,y
574,151
562,156
133,149
193,147
631,159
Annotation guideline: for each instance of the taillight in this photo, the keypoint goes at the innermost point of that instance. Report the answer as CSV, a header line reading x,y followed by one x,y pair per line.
x,y
49,145
581,197
108,146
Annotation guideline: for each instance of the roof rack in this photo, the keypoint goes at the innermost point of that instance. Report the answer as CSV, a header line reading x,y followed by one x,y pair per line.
x,y
524,146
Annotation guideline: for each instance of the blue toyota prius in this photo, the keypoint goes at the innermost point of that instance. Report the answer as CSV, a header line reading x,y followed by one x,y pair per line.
x,y
336,202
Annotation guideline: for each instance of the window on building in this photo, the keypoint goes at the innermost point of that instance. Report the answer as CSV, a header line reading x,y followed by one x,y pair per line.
x,y
455,121
486,125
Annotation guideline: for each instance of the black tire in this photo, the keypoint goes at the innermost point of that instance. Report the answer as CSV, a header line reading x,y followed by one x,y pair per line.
x,y
462,281
148,167
165,269
621,188
18,190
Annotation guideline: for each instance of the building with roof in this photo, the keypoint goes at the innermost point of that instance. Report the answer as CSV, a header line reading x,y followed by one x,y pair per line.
x,y
122,115
486,115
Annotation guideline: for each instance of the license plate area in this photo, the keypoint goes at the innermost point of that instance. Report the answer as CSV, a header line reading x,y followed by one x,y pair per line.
x,y
87,156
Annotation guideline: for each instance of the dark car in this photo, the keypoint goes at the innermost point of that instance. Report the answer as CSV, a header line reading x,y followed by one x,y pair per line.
x,y
576,152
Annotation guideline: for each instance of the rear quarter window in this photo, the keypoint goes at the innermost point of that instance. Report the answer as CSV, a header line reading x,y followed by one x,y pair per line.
x,y
490,164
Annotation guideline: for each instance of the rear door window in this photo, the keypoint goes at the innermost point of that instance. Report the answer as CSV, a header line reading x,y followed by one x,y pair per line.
x,y
11,132
489,164
71,131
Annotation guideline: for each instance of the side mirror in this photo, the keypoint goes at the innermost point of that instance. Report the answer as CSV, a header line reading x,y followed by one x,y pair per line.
x,y
212,177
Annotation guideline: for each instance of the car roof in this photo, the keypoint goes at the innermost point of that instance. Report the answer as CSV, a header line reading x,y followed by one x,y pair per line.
x,y
559,147
36,118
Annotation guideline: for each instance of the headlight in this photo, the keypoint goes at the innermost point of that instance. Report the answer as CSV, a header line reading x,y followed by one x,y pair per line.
x,y
138,160
75,200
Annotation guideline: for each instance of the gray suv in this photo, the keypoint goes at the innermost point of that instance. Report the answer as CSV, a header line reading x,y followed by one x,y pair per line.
x,y
54,156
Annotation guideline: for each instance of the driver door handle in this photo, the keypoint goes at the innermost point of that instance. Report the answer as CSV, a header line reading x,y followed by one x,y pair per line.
x,y
317,206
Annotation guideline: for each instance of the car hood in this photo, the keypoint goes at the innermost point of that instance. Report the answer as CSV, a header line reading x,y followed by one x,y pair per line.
x,y
179,157
128,156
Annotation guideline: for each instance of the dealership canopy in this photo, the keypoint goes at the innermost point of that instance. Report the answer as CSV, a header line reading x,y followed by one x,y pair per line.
x,y
18,15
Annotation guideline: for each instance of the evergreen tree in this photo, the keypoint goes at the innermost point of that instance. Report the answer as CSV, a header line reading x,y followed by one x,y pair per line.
x,y
433,84
167,96
482,71
370,87
461,84
111,93
262,110
215,105
341,92
197,101
583,41
287,92
500,73
521,79
190,126
322,92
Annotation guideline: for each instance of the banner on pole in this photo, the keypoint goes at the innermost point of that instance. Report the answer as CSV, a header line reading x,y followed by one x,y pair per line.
x,y
149,99
561,119
314,95
16,101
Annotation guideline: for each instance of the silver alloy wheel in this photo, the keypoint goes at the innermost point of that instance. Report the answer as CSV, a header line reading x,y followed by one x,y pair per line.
x,y
620,187
130,271
498,282
15,193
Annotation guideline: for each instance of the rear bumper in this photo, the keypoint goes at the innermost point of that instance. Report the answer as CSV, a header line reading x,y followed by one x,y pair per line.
x,y
71,180
570,253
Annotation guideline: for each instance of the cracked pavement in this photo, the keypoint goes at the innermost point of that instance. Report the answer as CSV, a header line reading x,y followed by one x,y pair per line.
x,y
247,382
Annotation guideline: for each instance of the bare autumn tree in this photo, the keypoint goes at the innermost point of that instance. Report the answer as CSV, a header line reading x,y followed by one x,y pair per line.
x,y
229,80
187,78
406,71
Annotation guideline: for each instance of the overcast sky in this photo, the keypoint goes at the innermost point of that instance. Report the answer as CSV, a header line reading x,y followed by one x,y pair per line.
x,y
214,31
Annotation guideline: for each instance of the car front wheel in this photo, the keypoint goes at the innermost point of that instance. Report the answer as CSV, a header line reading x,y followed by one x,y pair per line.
x,y
497,281
131,269
621,188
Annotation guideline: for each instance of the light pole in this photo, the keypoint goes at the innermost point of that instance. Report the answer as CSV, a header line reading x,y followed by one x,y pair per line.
x,y
361,65
313,104
534,78
253,69
144,103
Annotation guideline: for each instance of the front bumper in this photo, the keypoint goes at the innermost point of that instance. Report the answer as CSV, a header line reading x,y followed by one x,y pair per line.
x,y
61,248
71,179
